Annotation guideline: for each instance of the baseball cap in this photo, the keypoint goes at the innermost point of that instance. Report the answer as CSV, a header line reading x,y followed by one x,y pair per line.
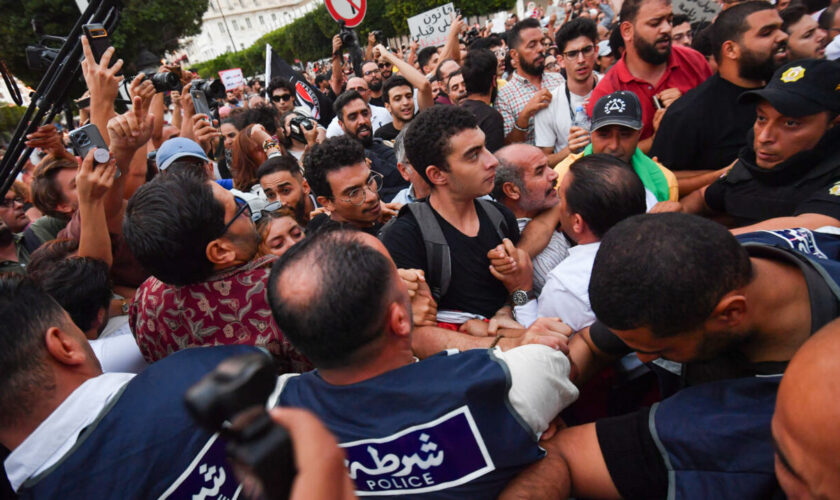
x,y
619,108
176,148
801,88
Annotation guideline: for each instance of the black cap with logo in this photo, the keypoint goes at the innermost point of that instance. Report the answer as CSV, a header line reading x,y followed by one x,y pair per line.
x,y
619,108
801,88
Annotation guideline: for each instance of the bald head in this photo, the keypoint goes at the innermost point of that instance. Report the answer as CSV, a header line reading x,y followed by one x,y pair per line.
x,y
805,424
520,154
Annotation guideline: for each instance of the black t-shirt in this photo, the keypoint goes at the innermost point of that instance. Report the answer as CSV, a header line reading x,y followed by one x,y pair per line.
x,y
387,132
472,288
376,101
705,128
324,221
490,121
808,182
632,457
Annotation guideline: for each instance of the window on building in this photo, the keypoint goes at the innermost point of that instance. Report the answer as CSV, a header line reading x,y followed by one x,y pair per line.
x,y
273,16
221,27
242,3
235,25
248,22
262,20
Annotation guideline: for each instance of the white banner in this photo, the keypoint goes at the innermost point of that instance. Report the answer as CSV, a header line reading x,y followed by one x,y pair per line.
x,y
430,28
232,78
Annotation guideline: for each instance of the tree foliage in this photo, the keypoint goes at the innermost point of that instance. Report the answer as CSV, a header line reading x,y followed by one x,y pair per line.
x,y
309,38
154,25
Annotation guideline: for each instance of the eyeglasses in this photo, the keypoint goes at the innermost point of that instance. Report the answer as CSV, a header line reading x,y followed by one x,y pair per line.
x,y
372,71
266,212
500,52
358,89
586,51
278,98
10,202
358,195
243,206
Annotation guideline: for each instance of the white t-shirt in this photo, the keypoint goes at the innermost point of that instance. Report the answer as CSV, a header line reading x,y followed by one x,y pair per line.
x,y
552,124
379,116
116,349
566,291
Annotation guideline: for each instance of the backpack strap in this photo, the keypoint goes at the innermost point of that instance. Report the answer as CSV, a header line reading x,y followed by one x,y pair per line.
x,y
438,261
496,217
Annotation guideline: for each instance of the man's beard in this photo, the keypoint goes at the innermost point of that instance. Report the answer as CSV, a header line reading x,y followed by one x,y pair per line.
x,y
754,66
375,85
533,69
648,52
367,140
300,211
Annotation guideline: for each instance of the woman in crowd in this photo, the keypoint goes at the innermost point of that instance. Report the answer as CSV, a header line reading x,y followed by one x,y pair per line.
x,y
278,229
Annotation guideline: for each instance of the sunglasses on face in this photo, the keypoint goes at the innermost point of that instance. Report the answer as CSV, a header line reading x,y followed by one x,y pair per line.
x,y
278,98
383,65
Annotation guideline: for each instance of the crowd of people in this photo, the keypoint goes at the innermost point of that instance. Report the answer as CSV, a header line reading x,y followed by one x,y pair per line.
x,y
596,255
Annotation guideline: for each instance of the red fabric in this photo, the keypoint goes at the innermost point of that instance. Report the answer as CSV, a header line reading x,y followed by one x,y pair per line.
x,y
687,69
229,308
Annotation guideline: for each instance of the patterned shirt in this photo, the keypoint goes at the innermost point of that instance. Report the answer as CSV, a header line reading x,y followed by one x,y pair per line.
x,y
231,307
516,94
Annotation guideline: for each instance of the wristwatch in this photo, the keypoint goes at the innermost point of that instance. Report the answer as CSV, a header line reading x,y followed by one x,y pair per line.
x,y
522,297
125,306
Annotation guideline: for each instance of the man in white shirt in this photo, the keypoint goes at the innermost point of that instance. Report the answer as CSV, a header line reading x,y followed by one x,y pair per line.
x,y
555,133
379,116
598,192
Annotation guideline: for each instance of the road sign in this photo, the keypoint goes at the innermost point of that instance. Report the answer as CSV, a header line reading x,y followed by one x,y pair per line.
x,y
351,12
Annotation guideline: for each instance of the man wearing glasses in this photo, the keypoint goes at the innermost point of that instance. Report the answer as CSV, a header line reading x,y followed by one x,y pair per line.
x,y
373,77
344,184
13,220
199,243
555,132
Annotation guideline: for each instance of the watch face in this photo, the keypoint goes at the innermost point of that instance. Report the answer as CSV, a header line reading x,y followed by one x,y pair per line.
x,y
519,298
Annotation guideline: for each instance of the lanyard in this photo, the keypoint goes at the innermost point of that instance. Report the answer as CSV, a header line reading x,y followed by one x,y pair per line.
x,y
569,96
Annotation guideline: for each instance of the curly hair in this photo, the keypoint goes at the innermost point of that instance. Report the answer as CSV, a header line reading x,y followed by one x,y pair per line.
x,y
248,155
330,155
427,141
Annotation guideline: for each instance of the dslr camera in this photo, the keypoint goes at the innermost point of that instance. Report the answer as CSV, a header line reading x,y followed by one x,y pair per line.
x,y
297,126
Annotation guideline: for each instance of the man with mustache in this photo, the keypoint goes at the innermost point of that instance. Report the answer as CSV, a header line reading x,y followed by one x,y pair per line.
x,y
651,67
13,220
749,45
529,88
353,114
373,76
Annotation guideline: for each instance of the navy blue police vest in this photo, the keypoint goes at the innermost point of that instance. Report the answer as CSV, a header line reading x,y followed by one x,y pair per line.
x,y
821,249
145,445
440,428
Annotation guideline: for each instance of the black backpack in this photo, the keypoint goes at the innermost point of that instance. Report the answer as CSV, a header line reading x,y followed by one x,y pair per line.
x,y
438,260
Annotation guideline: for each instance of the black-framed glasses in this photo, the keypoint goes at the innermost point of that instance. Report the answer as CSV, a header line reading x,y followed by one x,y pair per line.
x,y
586,51
372,71
267,211
10,202
278,98
243,206
384,65
358,195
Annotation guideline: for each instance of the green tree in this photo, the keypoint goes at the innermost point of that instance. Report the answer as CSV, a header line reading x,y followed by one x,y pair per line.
x,y
154,25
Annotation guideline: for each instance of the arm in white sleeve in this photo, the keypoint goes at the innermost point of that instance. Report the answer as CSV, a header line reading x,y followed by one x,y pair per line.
x,y
526,314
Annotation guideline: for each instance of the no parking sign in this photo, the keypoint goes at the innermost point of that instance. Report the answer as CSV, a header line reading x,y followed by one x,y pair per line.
x,y
352,12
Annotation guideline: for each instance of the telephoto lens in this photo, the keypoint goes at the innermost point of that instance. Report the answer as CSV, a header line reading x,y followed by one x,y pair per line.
x,y
165,81
213,89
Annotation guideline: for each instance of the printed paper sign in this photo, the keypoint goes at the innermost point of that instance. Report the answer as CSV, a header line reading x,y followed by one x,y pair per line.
x,y
697,10
232,78
430,28
434,456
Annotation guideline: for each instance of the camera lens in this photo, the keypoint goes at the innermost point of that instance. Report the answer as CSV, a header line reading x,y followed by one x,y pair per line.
x,y
165,81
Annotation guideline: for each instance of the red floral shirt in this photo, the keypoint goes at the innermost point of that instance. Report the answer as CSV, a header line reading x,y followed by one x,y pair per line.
x,y
231,307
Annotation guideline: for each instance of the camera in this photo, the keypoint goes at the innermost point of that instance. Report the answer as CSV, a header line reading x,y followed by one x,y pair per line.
x,y
165,81
348,36
236,392
297,126
213,89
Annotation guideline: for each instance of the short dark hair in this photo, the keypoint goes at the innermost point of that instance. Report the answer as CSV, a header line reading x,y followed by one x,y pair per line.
x,y
282,163
506,172
26,313
278,82
51,251
343,100
680,19
191,164
826,19
515,33
479,71
731,24
666,272
320,78
425,55
630,10
616,41
168,224
792,14
80,285
333,154
487,42
393,82
702,42
264,115
604,190
344,308
577,27
427,142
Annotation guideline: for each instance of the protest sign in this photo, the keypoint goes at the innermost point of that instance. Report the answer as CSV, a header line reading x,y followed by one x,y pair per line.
x,y
430,28
232,78
697,10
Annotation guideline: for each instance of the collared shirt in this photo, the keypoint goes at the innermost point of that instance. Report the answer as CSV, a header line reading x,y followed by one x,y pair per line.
x,y
57,434
516,94
554,253
686,69
566,291
230,307
19,265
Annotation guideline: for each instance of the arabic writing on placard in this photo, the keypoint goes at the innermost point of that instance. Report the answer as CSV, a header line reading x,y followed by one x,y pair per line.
x,y
430,28
697,10
232,78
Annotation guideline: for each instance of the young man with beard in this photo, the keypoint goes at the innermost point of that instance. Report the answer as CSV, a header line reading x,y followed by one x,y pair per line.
x,y
379,116
788,174
373,77
479,72
749,45
13,220
651,68
577,45
282,180
807,40
354,117
529,88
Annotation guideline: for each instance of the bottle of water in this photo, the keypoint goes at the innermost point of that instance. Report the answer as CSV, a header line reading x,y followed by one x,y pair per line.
x,y
581,119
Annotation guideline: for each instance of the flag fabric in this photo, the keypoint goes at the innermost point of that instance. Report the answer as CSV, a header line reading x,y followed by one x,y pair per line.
x,y
320,107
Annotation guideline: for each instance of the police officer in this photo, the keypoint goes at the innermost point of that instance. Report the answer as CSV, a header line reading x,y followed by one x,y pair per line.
x,y
789,174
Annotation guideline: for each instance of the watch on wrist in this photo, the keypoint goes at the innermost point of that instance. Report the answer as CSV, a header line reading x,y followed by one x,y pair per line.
x,y
522,297
125,306
517,127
